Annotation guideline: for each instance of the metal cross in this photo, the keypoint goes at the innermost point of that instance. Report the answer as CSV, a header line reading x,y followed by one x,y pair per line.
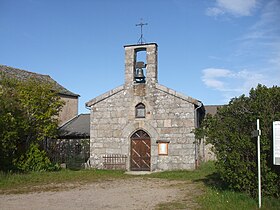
x,y
141,40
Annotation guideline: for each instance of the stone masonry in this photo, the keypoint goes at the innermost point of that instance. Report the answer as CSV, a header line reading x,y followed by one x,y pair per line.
x,y
169,117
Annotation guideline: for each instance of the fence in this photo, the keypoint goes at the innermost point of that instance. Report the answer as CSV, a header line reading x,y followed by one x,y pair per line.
x,y
114,161
73,152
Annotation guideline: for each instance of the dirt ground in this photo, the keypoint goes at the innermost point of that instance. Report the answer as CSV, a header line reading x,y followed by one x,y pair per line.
x,y
134,194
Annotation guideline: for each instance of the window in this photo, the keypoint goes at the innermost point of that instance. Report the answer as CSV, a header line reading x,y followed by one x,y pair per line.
x,y
140,111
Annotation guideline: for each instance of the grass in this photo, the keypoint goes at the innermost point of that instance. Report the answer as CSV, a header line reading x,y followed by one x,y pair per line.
x,y
196,175
200,188
208,192
48,181
216,199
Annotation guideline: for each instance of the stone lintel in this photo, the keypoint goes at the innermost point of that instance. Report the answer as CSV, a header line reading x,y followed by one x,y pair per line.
x,y
138,45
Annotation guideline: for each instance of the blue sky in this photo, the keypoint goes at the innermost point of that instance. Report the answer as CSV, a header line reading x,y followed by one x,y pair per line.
x,y
211,50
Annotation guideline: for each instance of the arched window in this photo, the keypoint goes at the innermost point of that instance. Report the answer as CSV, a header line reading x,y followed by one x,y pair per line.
x,y
140,110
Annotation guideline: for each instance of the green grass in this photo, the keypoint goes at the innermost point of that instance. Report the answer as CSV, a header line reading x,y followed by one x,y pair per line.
x,y
201,187
213,196
44,181
216,199
205,170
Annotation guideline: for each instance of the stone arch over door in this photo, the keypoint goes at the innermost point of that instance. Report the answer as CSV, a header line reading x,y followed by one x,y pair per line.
x,y
140,156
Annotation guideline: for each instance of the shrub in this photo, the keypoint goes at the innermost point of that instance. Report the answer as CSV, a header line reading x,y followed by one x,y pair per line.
x,y
28,114
35,160
229,131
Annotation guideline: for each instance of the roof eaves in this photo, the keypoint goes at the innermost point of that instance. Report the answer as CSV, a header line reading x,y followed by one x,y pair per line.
x,y
104,96
177,94
70,94
21,74
68,122
78,126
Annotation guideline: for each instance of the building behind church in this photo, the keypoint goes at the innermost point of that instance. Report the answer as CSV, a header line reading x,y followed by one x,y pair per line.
x,y
69,109
143,125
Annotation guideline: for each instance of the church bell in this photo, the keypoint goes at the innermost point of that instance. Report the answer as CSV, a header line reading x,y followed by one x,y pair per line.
x,y
139,75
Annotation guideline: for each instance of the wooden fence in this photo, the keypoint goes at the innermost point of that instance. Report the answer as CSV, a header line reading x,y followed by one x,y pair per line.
x,y
114,161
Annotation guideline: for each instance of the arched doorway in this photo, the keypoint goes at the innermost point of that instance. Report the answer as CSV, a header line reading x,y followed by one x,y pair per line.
x,y
140,158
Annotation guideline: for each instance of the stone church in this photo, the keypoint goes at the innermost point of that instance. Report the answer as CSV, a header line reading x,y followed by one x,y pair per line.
x,y
143,125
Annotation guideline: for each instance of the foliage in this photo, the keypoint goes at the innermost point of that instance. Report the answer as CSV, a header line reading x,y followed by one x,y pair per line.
x,y
229,131
35,160
28,114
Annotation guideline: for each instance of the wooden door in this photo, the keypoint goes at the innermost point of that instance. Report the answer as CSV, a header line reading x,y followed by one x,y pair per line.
x,y
140,151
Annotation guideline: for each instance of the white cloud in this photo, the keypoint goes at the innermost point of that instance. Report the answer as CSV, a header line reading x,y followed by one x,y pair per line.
x,y
256,57
262,40
211,77
230,83
214,11
233,7
275,60
267,27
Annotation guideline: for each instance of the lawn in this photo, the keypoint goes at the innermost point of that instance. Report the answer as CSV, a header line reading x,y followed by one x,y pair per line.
x,y
49,181
205,186
214,196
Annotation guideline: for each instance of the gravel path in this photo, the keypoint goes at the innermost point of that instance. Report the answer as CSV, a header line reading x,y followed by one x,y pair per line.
x,y
136,193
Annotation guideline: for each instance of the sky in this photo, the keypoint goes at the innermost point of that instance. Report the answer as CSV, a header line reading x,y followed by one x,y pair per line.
x,y
211,50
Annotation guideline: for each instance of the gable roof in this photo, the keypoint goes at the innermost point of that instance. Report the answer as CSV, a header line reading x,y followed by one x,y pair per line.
x,y
77,127
178,95
158,86
24,75
104,96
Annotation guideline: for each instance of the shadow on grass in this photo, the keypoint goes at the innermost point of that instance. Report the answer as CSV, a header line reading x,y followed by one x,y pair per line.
x,y
214,181
220,196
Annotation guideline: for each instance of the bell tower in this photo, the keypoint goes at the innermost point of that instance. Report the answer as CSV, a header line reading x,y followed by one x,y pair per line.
x,y
141,69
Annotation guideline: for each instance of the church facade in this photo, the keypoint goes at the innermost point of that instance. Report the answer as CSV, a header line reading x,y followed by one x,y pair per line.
x,y
143,125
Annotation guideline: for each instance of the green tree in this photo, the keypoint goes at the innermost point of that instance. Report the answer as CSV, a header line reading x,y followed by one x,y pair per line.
x,y
28,114
229,131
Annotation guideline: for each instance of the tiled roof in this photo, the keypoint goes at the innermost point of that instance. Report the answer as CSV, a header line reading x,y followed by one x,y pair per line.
x,y
23,75
212,109
77,127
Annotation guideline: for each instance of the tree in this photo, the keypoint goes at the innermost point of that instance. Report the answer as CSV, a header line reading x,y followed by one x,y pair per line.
x,y
28,114
229,131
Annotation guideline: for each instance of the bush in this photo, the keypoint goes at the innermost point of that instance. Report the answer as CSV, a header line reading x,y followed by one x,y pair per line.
x,y
229,131
35,160
28,114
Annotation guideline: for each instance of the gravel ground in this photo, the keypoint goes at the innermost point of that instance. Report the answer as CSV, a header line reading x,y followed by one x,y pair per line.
x,y
136,193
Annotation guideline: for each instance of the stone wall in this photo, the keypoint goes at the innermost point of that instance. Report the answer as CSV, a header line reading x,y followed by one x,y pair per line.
x,y
168,118
69,110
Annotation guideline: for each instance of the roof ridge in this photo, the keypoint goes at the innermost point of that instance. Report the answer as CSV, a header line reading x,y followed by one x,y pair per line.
x,y
22,74
69,121
30,72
